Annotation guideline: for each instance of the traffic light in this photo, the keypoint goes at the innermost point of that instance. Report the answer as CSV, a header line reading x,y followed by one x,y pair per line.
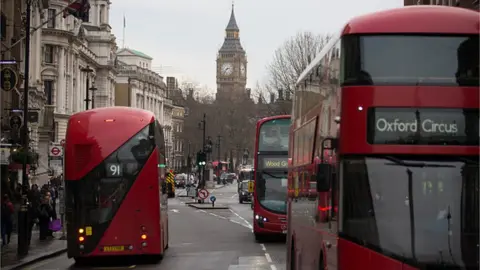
x,y
201,158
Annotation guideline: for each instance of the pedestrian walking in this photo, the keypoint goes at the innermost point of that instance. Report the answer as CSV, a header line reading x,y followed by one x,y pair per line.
x,y
7,219
45,215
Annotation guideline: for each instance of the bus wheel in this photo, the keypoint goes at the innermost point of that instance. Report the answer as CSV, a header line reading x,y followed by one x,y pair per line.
x,y
259,237
81,261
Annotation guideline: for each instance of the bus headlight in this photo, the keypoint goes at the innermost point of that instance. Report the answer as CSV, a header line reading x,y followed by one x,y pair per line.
x,y
260,218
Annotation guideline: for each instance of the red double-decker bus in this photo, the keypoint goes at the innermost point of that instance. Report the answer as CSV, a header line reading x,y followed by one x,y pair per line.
x,y
116,196
271,170
402,190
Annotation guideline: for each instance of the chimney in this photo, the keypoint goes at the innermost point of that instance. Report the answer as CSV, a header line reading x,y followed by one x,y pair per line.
x,y
272,97
249,91
280,94
260,99
287,95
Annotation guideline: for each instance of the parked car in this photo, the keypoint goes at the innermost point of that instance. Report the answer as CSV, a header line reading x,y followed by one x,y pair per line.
x,y
180,180
227,178
243,194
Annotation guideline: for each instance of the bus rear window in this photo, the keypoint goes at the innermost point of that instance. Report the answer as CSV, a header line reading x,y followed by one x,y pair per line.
x,y
411,60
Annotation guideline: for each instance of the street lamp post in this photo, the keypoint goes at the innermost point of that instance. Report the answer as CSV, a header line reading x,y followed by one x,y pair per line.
x,y
23,234
93,89
87,70
202,126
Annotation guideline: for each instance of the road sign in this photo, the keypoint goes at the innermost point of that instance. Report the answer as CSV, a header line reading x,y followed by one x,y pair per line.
x,y
55,151
203,194
251,186
8,79
213,198
16,121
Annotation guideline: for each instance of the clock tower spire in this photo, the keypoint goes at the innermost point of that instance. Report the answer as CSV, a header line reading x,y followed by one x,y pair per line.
x,y
231,62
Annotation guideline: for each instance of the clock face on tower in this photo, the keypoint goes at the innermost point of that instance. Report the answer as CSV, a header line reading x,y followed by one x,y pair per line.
x,y
242,70
227,69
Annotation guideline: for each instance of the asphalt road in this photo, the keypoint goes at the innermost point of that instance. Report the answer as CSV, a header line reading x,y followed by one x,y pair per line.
x,y
204,240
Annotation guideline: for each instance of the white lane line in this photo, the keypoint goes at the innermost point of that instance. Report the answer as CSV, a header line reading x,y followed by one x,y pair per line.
x,y
269,259
234,195
240,217
202,211
218,216
263,247
273,267
240,223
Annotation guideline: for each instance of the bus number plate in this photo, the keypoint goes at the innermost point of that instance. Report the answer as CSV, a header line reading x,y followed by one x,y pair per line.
x,y
113,248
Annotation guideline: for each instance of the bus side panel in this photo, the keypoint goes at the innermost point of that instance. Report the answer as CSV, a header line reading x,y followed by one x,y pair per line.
x,y
358,255
141,207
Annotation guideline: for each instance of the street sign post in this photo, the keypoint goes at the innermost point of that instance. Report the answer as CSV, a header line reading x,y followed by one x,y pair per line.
x,y
203,194
213,199
55,158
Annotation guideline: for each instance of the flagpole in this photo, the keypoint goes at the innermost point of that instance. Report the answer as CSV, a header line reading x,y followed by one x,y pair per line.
x,y
38,27
124,27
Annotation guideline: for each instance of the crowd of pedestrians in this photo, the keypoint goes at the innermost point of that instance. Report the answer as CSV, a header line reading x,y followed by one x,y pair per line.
x,y
41,209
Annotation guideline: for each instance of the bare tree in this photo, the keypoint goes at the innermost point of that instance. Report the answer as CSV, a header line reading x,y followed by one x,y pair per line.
x,y
291,58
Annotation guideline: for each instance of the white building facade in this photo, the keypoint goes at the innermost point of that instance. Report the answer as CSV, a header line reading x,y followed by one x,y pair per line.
x,y
147,90
58,52
61,52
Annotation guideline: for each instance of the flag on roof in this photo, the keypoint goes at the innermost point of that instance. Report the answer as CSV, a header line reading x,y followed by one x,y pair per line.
x,y
79,9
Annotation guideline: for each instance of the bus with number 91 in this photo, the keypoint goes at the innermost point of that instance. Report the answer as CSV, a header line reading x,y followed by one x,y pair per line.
x,y
115,190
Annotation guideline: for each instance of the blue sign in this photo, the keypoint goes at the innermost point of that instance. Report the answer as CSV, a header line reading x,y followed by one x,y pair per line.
x,y
212,198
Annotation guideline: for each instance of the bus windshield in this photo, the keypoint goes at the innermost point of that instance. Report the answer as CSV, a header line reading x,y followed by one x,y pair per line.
x,y
445,60
423,209
274,135
272,191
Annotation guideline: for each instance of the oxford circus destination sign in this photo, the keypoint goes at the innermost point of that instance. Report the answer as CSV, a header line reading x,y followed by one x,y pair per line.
x,y
423,126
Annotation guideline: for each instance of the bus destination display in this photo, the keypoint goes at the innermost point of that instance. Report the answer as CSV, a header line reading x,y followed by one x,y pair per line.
x,y
275,163
423,126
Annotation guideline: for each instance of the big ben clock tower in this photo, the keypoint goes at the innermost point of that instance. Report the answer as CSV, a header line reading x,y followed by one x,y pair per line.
x,y
231,63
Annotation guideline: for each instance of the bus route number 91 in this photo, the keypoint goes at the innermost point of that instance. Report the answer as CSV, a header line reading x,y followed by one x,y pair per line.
x,y
114,170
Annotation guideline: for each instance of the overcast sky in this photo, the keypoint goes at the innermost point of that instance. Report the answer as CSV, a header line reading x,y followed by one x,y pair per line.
x,y
183,36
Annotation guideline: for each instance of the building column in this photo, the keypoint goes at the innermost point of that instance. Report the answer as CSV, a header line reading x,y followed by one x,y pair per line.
x,y
61,81
71,91
161,116
77,88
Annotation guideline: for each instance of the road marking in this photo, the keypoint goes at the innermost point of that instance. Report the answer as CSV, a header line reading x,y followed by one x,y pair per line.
x,y
175,210
218,216
234,195
273,267
269,259
203,211
263,247
240,223
240,217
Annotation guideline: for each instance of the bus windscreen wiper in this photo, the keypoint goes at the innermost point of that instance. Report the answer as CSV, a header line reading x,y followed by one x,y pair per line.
x,y
400,162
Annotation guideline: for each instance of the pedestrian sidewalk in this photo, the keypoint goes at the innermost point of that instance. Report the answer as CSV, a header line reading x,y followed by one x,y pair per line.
x,y
39,250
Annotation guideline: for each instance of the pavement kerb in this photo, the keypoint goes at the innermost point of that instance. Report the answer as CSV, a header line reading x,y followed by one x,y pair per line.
x,y
36,260
207,206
